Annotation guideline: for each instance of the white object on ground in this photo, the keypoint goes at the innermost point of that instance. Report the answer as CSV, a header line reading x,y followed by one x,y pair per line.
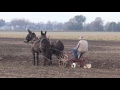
x,y
87,66
73,65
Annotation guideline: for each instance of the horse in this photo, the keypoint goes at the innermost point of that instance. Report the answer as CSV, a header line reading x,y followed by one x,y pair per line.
x,y
31,37
39,45
45,48
57,48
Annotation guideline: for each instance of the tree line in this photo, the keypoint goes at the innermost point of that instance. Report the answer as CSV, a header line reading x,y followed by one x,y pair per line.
x,y
77,23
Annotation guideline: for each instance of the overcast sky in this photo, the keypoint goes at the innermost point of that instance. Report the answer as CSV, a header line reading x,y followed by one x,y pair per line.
x,y
59,16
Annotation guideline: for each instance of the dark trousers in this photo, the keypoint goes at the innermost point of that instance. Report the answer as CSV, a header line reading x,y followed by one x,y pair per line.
x,y
75,53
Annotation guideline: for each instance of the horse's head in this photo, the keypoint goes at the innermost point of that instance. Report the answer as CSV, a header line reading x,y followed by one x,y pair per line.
x,y
43,35
30,37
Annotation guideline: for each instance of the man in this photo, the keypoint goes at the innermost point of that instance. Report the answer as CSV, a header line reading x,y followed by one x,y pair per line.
x,y
81,48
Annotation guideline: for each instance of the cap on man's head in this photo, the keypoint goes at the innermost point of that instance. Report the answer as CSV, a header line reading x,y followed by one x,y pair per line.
x,y
81,37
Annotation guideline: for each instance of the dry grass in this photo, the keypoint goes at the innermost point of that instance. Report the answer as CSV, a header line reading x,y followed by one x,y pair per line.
x,y
67,35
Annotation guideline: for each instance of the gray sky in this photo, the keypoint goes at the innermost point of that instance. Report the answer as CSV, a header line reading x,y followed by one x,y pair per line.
x,y
59,16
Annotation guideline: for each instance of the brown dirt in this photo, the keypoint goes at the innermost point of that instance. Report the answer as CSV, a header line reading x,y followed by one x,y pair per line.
x,y
16,61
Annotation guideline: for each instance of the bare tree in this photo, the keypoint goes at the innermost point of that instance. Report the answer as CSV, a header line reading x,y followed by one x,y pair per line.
x,y
2,22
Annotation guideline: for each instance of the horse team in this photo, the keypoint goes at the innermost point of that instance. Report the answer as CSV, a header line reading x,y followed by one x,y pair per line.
x,y
43,45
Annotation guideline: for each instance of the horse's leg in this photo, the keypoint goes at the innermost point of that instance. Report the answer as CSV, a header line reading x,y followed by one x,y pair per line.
x,y
37,58
44,61
34,58
49,62
51,59
44,58
33,53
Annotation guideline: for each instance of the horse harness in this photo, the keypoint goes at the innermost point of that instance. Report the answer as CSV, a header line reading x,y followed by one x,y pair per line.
x,y
41,41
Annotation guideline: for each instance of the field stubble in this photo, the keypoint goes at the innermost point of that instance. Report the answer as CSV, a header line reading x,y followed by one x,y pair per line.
x,y
68,35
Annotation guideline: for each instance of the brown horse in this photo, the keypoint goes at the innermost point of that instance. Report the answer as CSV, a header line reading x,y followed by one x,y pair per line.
x,y
57,48
45,48
40,45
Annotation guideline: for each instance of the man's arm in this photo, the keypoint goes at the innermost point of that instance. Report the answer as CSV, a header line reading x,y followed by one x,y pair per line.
x,y
77,45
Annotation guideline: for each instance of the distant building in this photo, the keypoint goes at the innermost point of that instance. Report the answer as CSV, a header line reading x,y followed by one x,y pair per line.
x,y
12,28
5,27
